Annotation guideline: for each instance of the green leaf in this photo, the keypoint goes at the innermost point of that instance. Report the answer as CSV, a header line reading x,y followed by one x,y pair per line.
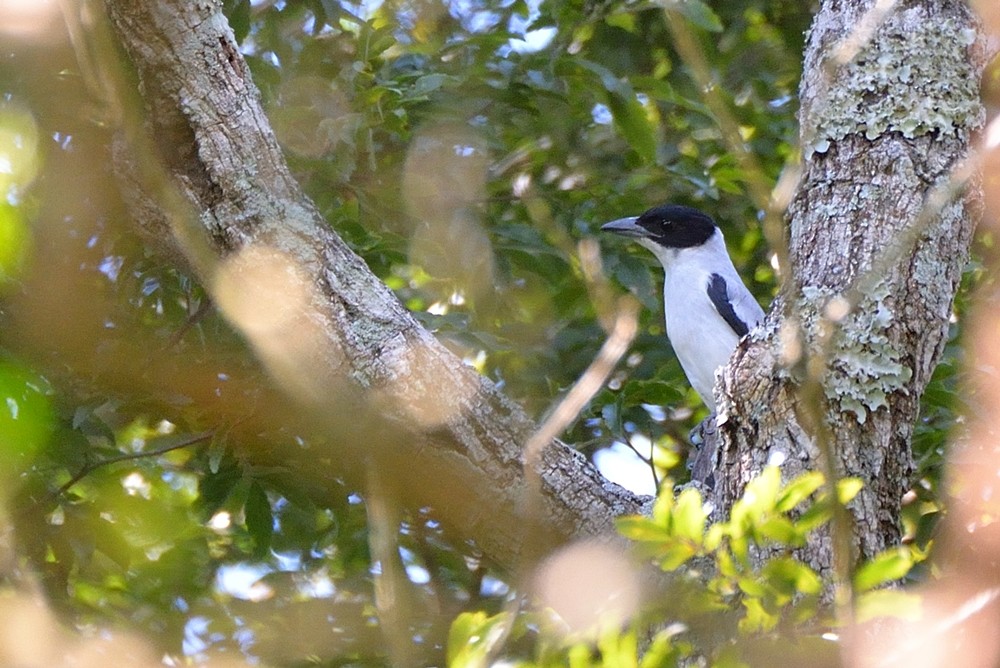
x,y
584,33
757,618
652,391
239,15
888,603
27,420
798,490
216,487
758,498
848,488
578,656
689,516
713,537
791,576
740,547
663,507
752,586
216,452
884,568
633,123
461,633
726,564
815,516
665,458
780,529
643,529
675,554
88,422
428,84
624,20
619,648
630,117
662,651
633,272
695,11
472,637
259,519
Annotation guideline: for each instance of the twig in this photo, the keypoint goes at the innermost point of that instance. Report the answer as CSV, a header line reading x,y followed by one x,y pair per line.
x,y
90,468
204,308
623,329
771,201
646,460
392,586
616,345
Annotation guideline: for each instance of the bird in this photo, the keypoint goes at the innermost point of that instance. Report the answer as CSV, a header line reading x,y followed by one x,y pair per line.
x,y
706,306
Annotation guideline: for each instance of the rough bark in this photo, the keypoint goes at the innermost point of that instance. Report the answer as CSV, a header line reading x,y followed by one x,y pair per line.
x,y
331,333
877,245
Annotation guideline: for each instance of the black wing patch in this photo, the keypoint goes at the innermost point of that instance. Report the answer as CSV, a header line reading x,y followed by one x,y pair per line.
x,y
719,295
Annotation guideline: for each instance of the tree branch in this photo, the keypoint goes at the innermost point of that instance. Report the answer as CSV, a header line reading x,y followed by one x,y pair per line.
x,y
333,337
879,238
93,466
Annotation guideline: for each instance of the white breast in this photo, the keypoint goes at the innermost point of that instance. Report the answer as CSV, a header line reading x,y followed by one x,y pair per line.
x,y
701,339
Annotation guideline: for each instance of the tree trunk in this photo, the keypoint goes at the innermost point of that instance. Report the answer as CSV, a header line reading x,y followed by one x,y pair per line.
x,y
333,336
879,235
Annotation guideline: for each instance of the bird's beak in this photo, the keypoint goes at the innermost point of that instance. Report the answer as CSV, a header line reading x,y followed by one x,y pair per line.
x,y
625,227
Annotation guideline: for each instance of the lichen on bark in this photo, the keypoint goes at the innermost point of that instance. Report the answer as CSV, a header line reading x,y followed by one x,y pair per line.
x,y
913,77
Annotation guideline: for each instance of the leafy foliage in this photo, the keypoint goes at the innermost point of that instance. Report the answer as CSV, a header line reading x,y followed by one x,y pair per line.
x,y
736,594
540,121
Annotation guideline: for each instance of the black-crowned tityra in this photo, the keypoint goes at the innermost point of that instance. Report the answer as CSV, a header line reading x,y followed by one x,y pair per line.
x,y
707,307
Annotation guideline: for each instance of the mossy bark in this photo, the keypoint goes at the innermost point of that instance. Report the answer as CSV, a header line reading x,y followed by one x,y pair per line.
x,y
880,229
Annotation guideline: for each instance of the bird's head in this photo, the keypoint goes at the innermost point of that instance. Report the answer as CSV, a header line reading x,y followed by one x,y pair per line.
x,y
667,227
